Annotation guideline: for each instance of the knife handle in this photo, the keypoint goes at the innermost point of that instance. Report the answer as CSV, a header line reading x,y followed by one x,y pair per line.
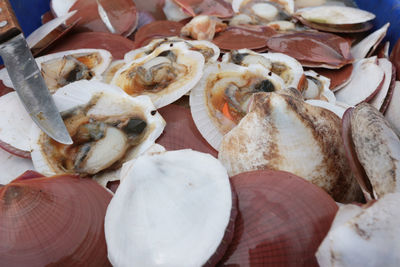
x,y
9,26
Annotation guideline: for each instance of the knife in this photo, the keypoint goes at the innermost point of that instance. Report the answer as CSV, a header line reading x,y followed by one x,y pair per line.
x,y
26,77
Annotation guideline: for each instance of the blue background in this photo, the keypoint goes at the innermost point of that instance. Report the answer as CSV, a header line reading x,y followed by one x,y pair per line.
x,y
29,12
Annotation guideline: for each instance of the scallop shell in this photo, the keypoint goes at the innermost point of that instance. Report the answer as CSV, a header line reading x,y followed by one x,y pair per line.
x,y
282,220
12,166
378,149
284,133
111,106
182,74
210,110
318,87
147,215
393,111
209,50
97,61
364,236
288,68
53,221
367,46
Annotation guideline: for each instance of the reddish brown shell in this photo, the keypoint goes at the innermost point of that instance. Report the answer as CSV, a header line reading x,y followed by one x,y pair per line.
x,y
342,28
53,221
338,77
389,95
395,57
4,89
116,44
154,7
218,8
351,155
251,37
282,220
181,132
122,15
313,49
157,29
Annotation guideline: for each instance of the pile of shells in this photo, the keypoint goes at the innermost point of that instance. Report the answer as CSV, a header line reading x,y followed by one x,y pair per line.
x,y
240,132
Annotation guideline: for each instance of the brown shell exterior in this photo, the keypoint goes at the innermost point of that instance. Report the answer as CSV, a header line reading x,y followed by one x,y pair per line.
x,y
115,44
377,147
181,132
261,148
282,220
313,49
337,77
56,221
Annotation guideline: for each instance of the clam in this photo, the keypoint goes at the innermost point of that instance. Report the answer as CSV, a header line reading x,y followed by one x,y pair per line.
x,y
62,68
165,75
221,98
364,236
281,220
377,148
147,216
336,18
313,49
288,68
53,221
108,127
282,132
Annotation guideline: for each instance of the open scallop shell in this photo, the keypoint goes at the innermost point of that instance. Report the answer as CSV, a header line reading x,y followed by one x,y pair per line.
x,y
107,126
214,109
61,68
284,133
288,68
318,87
147,215
165,75
209,50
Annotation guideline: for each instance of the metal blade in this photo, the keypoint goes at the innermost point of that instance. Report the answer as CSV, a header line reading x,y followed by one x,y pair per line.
x,y
31,88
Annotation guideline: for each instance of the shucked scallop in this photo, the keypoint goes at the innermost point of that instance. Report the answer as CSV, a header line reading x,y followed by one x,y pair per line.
x,y
62,68
108,127
221,98
165,75
282,132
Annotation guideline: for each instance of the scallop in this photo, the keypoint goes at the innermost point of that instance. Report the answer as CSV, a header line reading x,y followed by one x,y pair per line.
x,y
288,68
108,128
282,132
221,98
62,68
209,50
165,75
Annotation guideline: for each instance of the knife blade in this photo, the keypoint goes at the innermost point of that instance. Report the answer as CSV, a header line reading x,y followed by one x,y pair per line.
x,y
27,79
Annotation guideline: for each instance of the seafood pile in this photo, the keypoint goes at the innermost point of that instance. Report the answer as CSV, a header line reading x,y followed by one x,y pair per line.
x,y
206,133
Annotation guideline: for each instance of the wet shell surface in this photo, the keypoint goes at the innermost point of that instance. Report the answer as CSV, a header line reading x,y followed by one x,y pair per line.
x,y
108,127
165,75
53,221
288,68
147,216
284,133
62,68
281,220
222,96
378,149
364,236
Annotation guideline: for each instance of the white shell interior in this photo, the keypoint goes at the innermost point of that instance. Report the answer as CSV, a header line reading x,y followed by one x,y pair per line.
x,y
12,166
392,113
147,216
379,98
367,46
